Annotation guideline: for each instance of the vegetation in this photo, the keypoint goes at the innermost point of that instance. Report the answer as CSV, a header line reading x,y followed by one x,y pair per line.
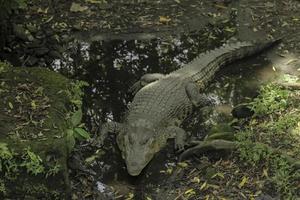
x,y
75,127
271,139
12,164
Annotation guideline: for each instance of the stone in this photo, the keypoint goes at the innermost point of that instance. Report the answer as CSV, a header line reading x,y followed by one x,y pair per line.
x,y
33,124
242,111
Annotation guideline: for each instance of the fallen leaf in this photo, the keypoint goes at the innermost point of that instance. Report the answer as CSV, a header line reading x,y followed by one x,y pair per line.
x,y
164,19
76,7
195,180
182,164
203,186
96,1
243,182
10,105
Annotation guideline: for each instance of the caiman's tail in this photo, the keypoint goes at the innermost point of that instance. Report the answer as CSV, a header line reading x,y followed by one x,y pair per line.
x,y
206,64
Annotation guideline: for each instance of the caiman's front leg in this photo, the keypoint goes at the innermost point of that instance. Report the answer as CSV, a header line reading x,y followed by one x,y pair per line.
x,y
145,80
108,127
197,99
179,134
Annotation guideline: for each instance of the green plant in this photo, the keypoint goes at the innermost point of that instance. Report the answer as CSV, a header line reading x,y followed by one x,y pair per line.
x,y
32,162
8,163
52,171
271,99
75,93
268,141
249,151
4,66
284,177
283,123
76,130
2,187
8,6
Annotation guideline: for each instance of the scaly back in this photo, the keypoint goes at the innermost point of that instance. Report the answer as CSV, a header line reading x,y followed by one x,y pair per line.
x,y
204,66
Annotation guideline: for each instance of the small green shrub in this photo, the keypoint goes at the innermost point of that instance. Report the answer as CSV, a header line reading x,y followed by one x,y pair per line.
x,y
2,187
32,162
8,164
271,99
76,128
268,142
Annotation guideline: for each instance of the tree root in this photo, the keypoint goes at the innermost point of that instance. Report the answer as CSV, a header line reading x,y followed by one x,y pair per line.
x,y
292,86
203,146
219,144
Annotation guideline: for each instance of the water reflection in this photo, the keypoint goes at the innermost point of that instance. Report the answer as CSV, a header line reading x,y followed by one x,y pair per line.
x,y
111,67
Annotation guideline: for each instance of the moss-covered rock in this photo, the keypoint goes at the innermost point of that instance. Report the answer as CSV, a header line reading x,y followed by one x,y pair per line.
x,y
35,106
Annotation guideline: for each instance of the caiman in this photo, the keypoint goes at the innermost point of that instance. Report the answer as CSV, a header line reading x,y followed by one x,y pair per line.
x,y
162,102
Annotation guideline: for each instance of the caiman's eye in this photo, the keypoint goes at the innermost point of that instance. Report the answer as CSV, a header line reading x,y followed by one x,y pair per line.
x,y
130,138
144,141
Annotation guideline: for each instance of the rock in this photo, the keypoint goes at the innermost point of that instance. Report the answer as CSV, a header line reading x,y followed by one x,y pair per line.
x,y
21,33
32,133
242,111
32,28
55,54
32,60
41,51
104,191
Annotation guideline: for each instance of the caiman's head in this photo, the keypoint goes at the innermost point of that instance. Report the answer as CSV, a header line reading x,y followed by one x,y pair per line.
x,y
138,146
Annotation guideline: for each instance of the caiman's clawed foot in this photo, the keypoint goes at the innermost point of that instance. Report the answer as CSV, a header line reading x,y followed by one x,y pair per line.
x,y
180,136
179,145
197,99
99,138
113,127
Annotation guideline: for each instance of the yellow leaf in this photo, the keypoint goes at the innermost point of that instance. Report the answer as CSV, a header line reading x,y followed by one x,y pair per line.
x,y
221,175
203,186
10,105
148,198
164,19
33,105
243,182
169,171
182,164
190,192
195,180
130,196
265,173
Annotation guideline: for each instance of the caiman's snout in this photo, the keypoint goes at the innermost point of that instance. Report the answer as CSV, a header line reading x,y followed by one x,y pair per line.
x,y
134,169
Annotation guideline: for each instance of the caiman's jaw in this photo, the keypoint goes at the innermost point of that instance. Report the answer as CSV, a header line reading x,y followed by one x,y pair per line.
x,y
137,159
137,150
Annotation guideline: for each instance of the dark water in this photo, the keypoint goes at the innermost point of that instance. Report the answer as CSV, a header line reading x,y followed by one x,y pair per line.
x,y
111,67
